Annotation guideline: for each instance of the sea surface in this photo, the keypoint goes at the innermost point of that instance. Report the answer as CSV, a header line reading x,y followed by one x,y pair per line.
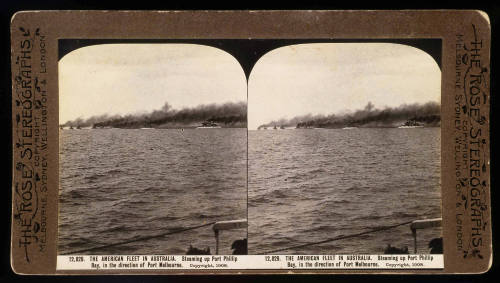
x,y
310,185
120,184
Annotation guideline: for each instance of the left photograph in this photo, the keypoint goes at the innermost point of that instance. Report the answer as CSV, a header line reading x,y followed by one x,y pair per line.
x,y
152,150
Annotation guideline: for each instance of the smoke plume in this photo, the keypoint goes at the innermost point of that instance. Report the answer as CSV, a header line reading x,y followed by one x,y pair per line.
x,y
227,115
427,114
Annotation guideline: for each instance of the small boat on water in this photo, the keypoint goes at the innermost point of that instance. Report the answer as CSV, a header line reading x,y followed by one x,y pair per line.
x,y
410,124
349,128
409,127
208,125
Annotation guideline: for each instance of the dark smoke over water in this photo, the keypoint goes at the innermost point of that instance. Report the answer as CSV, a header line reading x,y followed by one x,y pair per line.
x,y
427,114
226,115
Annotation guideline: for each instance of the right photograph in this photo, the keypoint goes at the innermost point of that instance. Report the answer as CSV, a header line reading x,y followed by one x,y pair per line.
x,y
344,145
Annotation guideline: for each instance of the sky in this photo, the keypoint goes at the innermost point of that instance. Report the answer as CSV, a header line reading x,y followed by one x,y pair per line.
x,y
335,78
317,78
138,78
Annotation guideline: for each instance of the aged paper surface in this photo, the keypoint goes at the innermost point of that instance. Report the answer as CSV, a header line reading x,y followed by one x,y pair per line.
x,y
250,142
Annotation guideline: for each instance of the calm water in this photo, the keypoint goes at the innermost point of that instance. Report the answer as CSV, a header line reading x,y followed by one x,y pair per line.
x,y
311,185
119,184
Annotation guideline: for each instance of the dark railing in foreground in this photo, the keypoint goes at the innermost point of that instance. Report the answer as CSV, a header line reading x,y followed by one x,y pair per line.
x,y
242,223
416,224
227,225
140,239
342,237
422,224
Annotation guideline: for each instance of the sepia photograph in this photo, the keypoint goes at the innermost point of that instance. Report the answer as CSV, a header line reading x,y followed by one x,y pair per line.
x,y
204,142
152,150
344,150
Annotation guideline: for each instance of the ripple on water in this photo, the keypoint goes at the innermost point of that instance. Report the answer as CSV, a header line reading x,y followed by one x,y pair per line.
x,y
131,182
333,182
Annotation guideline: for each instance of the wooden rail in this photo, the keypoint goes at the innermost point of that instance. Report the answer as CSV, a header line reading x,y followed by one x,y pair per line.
x,y
227,225
423,224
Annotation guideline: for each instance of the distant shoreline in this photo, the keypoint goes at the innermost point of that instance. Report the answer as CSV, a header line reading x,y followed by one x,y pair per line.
x,y
429,121
226,115
196,128
406,115
147,128
342,128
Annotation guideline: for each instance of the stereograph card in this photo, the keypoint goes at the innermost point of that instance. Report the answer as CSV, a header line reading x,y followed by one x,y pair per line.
x,y
250,142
